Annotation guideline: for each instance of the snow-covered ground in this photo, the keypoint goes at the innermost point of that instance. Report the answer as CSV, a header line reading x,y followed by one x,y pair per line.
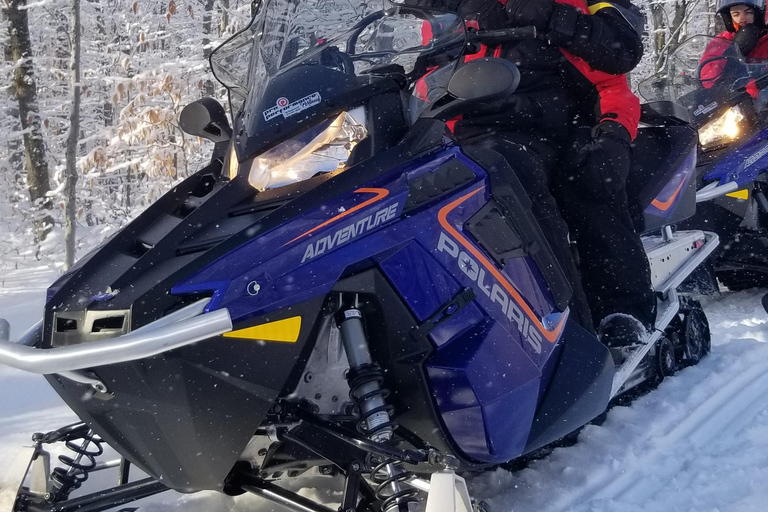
x,y
699,443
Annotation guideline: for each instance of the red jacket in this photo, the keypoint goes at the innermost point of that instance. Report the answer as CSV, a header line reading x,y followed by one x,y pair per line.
x,y
597,42
617,101
717,47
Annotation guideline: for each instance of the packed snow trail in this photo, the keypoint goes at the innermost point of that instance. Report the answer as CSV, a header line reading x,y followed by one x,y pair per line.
x,y
697,443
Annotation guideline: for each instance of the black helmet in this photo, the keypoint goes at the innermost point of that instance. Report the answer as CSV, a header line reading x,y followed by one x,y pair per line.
x,y
723,8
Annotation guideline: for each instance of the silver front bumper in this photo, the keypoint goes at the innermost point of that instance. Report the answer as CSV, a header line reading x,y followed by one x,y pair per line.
x,y
714,190
179,329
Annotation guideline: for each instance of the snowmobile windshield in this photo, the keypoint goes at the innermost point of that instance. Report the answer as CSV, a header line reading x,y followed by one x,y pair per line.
x,y
704,69
299,66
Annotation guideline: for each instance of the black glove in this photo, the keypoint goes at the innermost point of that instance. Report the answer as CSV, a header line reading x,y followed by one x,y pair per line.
x,y
612,130
489,14
524,13
746,38
601,167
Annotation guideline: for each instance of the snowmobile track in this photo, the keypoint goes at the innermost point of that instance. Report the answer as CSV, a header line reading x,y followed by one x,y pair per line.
x,y
730,408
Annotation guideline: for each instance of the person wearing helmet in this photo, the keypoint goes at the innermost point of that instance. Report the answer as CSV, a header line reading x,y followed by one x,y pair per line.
x,y
745,27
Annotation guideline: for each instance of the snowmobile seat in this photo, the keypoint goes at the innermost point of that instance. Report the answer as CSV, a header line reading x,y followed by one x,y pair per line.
x,y
658,154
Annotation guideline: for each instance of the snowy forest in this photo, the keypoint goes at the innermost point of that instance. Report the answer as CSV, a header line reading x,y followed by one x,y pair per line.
x,y
91,96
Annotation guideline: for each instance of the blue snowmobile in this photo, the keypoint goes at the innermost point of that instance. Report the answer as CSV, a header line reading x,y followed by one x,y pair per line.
x,y
345,291
727,99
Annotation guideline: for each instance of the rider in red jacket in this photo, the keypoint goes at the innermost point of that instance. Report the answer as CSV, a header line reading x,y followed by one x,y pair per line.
x,y
745,27
568,130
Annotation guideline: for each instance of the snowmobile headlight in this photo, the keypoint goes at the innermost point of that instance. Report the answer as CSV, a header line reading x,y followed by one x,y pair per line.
x,y
323,148
722,130
232,164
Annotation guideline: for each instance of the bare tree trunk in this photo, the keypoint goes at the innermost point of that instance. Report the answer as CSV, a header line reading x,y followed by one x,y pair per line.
x,y
128,189
208,88
659,33
715,25
74,136
668,35
677,30
11,112
224,21
25,90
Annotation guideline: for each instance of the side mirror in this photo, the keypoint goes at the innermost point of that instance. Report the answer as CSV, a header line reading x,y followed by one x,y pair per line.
x,y
206,118
484,80
476,85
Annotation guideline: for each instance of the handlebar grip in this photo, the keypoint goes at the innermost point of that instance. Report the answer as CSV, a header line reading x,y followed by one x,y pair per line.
x,y
504,35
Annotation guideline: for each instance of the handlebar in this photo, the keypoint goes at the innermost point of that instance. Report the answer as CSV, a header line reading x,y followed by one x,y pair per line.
x,y
503,35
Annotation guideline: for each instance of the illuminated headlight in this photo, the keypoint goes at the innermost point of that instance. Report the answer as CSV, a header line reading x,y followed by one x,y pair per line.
x,y
232,164
722,130
322,148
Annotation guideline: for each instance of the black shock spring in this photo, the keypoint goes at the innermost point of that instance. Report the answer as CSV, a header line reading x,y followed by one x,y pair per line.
x,y
380,474
357,379
86,446
384,492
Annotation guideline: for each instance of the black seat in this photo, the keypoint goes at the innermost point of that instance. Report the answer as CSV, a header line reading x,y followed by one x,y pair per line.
x,y
658,153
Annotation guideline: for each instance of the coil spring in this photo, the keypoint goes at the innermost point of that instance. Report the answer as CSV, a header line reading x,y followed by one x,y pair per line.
x,y
67,479
357,378
389,498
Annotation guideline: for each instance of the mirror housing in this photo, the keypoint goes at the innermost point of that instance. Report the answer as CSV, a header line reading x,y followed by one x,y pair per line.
x,y
206,118
484,80
477,83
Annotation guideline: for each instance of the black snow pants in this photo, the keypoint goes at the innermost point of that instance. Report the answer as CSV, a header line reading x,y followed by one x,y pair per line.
x,y
612,264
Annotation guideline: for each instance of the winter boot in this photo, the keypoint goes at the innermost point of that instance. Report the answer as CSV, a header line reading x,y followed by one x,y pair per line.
x,y
622,333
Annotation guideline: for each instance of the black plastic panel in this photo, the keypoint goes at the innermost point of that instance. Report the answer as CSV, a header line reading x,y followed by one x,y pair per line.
x,y
489,227
432,185
186,416
579,390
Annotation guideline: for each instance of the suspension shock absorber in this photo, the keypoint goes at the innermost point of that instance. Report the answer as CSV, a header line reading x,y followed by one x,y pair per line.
x,y
86,446
366,381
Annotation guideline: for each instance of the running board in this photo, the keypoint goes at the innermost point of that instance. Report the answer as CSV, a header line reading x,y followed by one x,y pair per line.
x,y
662,253
674,257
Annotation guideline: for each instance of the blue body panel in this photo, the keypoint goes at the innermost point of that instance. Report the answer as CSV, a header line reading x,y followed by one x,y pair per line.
x,y
743,165
664,205
491,360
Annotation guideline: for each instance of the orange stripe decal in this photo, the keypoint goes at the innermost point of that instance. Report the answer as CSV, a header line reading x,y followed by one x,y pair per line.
x,y
664,205
551,335
381,193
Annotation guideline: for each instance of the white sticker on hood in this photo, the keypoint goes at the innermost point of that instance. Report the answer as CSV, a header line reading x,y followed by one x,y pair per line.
x,y
705,109
286,109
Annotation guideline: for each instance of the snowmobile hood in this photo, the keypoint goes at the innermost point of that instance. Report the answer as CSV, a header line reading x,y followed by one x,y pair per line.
x,y
197,406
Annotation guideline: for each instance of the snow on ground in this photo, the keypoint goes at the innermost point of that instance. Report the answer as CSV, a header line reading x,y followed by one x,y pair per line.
x,y
698,443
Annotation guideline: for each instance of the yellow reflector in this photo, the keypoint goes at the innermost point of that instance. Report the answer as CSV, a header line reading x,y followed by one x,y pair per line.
x,y
596,7
286,331
740,194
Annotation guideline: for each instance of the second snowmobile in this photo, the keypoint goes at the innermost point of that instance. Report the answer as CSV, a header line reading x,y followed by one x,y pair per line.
x,y
345,290
727,101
